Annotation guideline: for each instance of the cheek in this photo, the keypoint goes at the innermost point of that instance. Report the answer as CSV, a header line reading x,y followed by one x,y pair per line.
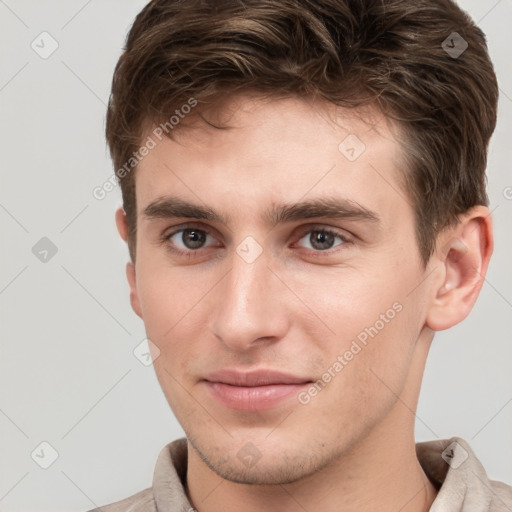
x,y
168,315
372,328
174,305
362,380
347,302
165,297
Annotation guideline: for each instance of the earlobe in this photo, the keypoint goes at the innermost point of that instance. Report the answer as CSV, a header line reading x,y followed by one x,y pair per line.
x,y
464,257
132,281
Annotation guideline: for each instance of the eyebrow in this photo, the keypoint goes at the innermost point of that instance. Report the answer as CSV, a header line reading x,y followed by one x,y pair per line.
x,y
330,207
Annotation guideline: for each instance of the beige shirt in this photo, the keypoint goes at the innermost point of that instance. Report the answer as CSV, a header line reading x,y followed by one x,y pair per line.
x,y
450,464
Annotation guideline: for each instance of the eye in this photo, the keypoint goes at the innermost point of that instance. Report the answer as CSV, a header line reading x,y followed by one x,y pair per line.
x,y
322,239
187,239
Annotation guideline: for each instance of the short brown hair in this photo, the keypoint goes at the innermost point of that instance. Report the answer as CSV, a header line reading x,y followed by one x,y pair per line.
x,y
394,54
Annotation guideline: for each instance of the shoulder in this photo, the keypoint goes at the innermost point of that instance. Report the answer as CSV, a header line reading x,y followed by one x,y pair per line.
x,y
167,491
501,497
143,501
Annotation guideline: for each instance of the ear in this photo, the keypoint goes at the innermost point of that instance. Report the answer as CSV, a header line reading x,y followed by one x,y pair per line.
x,y
463,253
122,228
122,225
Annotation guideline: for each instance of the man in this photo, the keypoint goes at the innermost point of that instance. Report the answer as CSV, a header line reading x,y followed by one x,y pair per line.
x,y
304,205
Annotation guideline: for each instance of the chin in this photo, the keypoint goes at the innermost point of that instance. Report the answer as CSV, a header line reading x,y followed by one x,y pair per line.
x,y
273,464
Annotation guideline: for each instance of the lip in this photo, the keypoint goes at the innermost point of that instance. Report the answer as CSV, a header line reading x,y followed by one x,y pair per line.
x,y
253,391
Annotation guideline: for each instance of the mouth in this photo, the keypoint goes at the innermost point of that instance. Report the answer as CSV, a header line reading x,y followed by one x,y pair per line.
x,y
253,391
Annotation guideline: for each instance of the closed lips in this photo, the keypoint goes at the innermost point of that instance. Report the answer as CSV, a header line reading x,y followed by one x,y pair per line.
x,y
255,378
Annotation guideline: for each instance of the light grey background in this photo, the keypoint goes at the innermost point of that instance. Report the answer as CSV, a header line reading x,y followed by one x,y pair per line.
x,y
68,373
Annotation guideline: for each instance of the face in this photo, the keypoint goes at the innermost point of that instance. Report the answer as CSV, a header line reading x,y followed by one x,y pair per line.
x,y
284,244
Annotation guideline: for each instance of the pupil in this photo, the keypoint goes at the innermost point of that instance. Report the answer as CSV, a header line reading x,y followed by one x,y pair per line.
x,y
321,240
193,239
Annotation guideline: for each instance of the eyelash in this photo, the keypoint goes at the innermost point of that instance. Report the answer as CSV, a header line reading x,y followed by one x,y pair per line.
x,y
191,253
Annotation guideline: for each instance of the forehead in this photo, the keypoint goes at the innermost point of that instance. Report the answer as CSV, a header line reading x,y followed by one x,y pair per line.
x,y
273,151
253,119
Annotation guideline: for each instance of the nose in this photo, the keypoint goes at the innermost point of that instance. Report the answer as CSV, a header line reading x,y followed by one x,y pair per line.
x,y
250,305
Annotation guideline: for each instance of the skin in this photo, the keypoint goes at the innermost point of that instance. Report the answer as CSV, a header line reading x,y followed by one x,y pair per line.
x,y
296,308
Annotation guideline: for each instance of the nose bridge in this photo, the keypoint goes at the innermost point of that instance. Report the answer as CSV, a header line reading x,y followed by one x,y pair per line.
x,y
249,305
